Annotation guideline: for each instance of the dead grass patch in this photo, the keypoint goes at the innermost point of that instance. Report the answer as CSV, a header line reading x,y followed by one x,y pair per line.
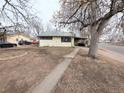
x,y
86,75
20,74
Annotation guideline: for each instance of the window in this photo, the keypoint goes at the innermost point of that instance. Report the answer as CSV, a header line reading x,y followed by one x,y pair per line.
x,y
17,39
2,40
46,38
65,39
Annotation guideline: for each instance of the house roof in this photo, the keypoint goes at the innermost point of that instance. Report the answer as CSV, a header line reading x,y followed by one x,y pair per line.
x,y
65,34
57,33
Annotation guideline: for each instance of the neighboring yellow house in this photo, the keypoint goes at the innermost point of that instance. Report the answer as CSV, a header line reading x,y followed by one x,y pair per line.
x,y
57,39
9,35
16,37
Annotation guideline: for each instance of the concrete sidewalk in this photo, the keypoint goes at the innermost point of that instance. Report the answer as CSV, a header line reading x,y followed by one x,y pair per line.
x,y
48,85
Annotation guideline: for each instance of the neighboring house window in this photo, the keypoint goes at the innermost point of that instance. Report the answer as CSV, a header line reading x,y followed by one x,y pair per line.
x,y
65,39
2,40
46,38
17,39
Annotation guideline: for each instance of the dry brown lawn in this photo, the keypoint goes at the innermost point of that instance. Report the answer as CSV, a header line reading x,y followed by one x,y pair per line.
x,y
86,75
20,74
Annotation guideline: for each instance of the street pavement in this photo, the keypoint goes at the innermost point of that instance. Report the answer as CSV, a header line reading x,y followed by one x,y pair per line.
x,y
114,48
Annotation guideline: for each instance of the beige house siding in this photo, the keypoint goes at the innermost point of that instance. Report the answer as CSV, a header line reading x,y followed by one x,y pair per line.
x,y
56,41
13,38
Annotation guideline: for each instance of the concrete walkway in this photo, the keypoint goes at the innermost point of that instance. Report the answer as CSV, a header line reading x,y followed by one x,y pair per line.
x,y
48,85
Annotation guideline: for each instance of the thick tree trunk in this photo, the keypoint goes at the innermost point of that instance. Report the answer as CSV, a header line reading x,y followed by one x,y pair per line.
x,y
94,42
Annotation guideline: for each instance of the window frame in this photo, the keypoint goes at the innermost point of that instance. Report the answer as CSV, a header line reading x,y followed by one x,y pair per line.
x,y
64,39
46,38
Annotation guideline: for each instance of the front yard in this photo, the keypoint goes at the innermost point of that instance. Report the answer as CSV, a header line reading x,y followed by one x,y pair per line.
x,y
86,75
19,74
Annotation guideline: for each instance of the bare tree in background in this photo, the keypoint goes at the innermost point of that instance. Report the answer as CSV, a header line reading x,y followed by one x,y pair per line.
x,y
49,28
122,24
16,13
94,14
36,25
113,32
14,10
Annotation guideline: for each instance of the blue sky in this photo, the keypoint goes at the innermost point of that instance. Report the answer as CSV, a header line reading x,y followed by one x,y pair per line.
x,y
46,8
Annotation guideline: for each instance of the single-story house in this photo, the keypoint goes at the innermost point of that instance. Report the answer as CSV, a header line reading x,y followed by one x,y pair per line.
x,y
57,39
10,36
16,37
2,37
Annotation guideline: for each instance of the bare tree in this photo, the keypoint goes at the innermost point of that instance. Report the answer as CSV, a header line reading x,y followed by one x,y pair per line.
x,y
36,25
49,28
90,13
113,31
14,10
